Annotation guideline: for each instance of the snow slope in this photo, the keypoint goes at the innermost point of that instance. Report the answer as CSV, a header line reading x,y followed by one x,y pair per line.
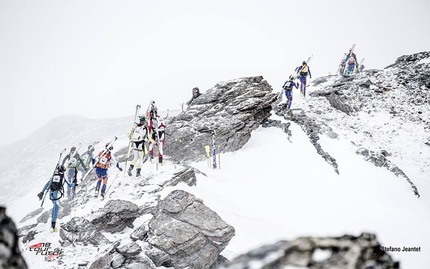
x,y
273,189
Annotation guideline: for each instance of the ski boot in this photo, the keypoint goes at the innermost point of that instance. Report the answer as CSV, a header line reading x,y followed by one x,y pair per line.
x,y
96,192
160,160
53,229
130,168
138,172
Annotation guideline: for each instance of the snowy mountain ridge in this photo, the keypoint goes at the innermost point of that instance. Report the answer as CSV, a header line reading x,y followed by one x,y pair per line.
x,y
372,110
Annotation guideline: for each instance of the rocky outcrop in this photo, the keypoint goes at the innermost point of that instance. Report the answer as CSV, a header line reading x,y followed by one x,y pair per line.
x,y
115,216
379,159
233,109
347,252
186,233
377,107
311,126
10,254
81,230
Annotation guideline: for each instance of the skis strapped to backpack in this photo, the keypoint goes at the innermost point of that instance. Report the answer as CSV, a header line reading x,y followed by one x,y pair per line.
x,y
98,157
136,113
307,64
341,64
345,65
72,155
358,69
55,169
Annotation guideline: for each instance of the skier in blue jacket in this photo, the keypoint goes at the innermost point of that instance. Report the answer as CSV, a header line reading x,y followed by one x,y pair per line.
x,y
351,61
303,71
55,185
288,88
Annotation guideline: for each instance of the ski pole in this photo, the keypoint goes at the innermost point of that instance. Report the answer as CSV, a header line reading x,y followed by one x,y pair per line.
x,y
111,183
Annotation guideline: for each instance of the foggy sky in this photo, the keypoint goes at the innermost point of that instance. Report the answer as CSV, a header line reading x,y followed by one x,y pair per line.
x,y
99,59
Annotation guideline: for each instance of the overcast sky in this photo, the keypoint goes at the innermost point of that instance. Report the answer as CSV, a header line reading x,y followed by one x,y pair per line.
x,y
99,59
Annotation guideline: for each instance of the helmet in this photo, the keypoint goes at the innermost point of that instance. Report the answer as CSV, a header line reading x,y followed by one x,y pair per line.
x,y
196,90
107,145
304,62
73,148
142,119
61,168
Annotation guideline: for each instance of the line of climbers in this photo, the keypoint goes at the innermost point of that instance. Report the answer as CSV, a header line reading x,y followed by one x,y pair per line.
x,y
348,66
149,130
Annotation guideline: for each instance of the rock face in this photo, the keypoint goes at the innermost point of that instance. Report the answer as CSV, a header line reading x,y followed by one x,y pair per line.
x,y
233,109
346,252
187,232
377,110
10,254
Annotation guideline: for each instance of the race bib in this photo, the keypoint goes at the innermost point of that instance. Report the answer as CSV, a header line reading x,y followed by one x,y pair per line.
x,y
103,160
56,179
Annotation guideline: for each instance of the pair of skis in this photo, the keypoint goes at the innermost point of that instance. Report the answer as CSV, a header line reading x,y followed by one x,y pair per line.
x,y
213,152
72,155
136,113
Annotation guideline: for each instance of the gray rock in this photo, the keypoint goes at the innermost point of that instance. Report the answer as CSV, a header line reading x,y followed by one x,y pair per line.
x,y
379,159
82,231
317,252
117,260
187,232
128,250
140,233
233,109
10,254
115,216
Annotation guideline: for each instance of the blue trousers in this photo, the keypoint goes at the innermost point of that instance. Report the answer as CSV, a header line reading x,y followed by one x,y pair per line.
x,y
303,85
289,96
56,206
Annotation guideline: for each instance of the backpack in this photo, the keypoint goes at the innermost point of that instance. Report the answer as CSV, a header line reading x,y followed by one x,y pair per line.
x,y
57,182
304,71
288,85
136,136
104,160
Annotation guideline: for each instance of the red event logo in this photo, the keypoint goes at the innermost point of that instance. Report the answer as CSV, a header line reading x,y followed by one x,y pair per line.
x,y
45,249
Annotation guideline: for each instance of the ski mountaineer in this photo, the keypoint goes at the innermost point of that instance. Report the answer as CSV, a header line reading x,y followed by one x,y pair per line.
x,y
72,171
288,88
86,157
102,165
196,93
138,137
55,185
156,123
303,71
351,61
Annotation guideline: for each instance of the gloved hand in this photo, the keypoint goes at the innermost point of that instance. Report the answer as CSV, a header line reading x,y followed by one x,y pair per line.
x,y
40,195
120,169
